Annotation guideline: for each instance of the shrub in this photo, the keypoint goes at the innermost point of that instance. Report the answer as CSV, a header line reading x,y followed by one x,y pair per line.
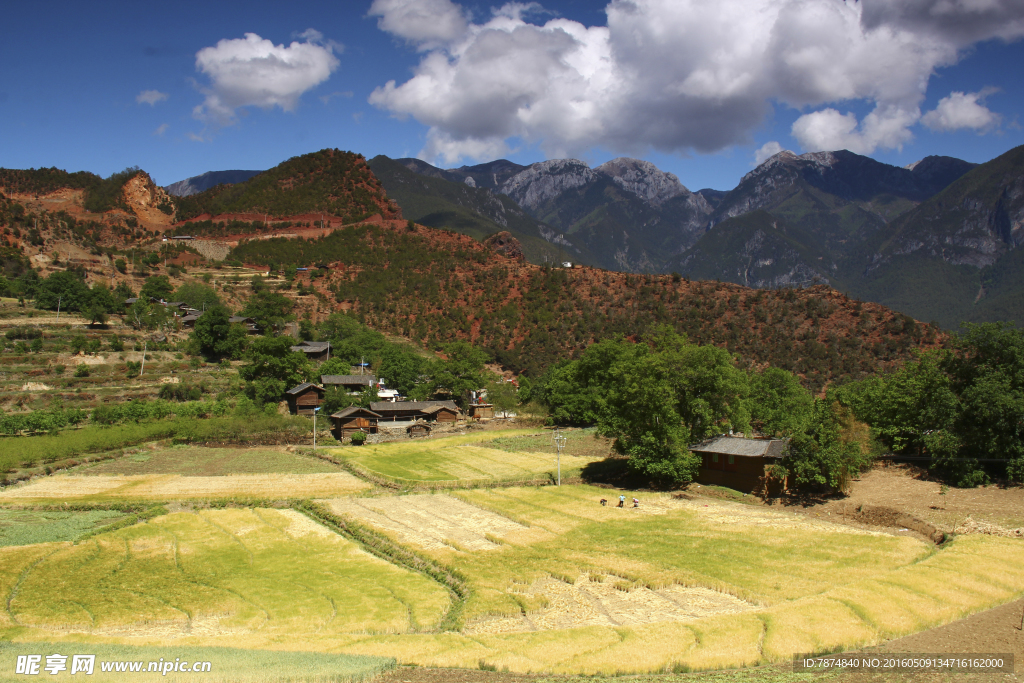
x,y
82,370
358,438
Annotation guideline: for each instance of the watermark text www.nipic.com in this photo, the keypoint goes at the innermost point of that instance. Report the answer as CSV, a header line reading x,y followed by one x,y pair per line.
x,y
43,665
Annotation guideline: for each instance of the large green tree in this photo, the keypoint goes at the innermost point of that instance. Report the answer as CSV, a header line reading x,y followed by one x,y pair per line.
x,y
273,368
779,404
158,287
215,337
270,310
670,394
197,295
462,371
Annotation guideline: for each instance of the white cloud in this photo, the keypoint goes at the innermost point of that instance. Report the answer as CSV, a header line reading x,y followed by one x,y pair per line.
x,y
426,23
161,129
828,130
252,71
766,151
677,75
150,97
962,110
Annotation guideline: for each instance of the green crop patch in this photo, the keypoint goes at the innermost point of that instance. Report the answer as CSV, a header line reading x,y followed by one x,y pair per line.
x,y
25,527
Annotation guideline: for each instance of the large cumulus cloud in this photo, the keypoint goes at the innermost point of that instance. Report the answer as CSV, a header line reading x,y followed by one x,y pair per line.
x,y
679,75
252,71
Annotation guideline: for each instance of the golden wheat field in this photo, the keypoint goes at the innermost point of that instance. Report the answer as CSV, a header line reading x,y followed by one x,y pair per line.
x,y
556,582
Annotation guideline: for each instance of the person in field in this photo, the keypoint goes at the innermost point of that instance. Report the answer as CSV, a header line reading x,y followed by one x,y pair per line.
x,y
636,503
604,501
622,501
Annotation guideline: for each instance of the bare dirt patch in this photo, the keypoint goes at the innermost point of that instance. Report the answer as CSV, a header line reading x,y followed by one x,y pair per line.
x,y
604,603
430,521
987,509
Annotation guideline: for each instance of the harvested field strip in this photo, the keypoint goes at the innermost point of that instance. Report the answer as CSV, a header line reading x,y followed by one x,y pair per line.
x,y
160,487
219,573
227,664
428,521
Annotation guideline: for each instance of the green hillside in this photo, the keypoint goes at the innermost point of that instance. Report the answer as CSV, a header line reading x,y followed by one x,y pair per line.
x,y
329,181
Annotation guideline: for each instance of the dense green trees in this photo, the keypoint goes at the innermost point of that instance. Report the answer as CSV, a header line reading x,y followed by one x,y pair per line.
x,y
962,408
658,397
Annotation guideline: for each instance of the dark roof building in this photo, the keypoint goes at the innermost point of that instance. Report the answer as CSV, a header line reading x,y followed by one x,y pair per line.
x,y
302,399
353,419
741,463
405,410
314,350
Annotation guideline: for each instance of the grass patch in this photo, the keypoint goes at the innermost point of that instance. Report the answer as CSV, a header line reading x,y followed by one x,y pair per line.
x,y
465,459
25,527
198,461
227,664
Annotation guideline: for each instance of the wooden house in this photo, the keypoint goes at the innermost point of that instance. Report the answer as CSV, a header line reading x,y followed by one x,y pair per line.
x,y
303,398
353,419
479,410
418,428
740,463
189,321
318,351
441,411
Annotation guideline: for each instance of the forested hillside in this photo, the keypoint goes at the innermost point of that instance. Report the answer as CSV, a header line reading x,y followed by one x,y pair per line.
x,y
436,286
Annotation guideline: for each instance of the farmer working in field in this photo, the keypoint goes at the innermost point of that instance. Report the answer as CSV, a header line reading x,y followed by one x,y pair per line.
x,y
622,501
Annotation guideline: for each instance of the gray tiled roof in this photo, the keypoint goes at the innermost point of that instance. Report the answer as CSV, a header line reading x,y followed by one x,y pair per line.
x,y
737,445
389,406
312,346
365,380
302,387
351,410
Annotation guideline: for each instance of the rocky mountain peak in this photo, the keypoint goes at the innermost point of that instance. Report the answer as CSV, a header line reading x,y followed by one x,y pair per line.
x,y
539,182
643,179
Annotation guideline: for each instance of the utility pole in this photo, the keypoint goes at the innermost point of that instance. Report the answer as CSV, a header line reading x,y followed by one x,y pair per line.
x,y
315,411
559,445
143,368
58,309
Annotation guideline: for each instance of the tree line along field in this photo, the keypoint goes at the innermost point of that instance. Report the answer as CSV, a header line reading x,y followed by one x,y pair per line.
x,y
471,577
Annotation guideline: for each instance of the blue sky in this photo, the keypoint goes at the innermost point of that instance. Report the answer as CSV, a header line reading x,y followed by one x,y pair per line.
x,y
104,86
